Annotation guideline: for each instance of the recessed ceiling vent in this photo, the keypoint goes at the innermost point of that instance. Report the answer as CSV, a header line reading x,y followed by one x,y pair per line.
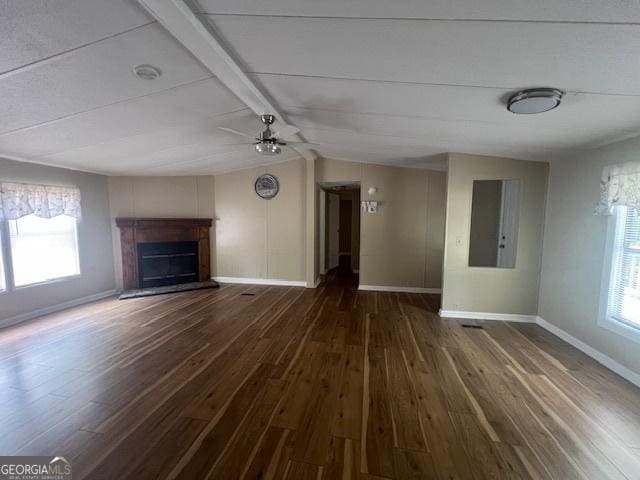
x,y
146,72
535,100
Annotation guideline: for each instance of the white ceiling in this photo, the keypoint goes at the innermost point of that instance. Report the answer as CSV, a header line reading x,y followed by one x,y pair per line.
x,y
368,80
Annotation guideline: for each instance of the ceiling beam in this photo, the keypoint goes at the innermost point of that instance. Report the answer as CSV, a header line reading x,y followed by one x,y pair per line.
x,y
179,20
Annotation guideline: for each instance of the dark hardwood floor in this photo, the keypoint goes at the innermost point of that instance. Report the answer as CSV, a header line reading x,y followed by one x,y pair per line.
x,y
331,383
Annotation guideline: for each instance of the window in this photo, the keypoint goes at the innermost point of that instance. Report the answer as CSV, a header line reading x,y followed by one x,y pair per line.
x,y
3,285
620,304
43,249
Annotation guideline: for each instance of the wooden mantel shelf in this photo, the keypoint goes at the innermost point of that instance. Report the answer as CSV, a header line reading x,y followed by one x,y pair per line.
x,y
163,222
134,231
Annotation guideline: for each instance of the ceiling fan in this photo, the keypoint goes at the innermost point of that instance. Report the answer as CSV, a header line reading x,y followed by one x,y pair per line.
x,y
269,142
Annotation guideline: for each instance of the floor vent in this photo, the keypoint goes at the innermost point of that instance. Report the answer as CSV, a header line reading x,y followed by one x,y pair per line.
x,y
247,294
466,325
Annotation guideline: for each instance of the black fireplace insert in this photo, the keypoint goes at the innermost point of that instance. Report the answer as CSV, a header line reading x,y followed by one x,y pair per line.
x,y
167,263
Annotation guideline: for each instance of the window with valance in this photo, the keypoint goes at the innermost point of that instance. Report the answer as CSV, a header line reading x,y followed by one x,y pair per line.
x,y
38,235
620,199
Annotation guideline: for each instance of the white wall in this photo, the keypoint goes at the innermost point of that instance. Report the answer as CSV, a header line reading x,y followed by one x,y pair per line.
x,y
94,241
574,249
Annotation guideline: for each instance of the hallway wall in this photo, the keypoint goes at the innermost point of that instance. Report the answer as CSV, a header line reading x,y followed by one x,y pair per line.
x,y
401,244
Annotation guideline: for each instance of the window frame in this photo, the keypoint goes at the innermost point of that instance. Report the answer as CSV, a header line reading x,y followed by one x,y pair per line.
x,y
5,255
605,320
10,285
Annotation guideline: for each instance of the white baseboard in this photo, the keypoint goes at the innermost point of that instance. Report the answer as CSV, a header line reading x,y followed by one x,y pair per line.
x,y
261,281
23,317
600,357
384,288
505,317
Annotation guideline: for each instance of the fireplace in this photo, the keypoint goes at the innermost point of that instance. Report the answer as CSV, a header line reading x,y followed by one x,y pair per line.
x,y
157,252
167,263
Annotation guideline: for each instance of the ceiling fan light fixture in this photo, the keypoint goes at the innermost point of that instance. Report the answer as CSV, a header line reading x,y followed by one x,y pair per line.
x,y
268,148
534,100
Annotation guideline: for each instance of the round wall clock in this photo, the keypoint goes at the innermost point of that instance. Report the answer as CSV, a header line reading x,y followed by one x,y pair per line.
x,y
267,186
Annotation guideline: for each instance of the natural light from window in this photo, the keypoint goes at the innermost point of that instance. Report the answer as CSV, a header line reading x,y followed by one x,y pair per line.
x,y
624,293
43,249
3,285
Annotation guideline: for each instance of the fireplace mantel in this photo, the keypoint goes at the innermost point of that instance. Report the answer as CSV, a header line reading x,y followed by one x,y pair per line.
x,y
134,231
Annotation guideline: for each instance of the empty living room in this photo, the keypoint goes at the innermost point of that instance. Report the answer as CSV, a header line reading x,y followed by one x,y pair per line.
x,y
298,239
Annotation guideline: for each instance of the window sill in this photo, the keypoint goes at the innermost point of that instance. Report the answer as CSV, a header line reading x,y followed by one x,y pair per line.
x,y
626,331
47,282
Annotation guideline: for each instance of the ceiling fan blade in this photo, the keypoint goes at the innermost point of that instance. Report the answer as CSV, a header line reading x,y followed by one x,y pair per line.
x,y
286,131
303,144
237,132
235,144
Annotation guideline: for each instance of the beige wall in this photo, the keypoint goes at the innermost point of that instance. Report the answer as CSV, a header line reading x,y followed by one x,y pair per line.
x,y
162,197
94,241
485,289
574,249
401,245
312,215
251,237
258,238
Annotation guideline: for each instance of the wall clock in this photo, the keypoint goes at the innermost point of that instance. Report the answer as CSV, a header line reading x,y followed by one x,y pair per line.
x,y
267,186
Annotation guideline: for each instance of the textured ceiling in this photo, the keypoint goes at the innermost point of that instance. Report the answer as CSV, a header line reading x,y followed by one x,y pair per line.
x,y
368,80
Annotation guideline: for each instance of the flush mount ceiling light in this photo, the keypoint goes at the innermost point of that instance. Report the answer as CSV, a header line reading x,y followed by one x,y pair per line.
x,y
146,72
534,100
268,148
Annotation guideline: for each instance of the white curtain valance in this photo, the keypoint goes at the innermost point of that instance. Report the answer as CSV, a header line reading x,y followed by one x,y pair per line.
x,y
619,185
45,201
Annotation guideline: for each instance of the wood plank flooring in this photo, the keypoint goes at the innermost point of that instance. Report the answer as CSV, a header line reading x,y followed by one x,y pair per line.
x,y
264,382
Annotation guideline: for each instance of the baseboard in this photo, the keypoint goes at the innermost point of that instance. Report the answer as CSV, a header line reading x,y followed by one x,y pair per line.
x,y
598,356
318,280
260,281
505,317
23,317
384,288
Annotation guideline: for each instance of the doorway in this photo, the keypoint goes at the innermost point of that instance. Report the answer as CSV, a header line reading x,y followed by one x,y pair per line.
x,y
340,250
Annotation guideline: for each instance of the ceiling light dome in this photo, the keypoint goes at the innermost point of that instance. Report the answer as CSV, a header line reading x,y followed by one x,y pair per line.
x,y
268,148
146,72
535,100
